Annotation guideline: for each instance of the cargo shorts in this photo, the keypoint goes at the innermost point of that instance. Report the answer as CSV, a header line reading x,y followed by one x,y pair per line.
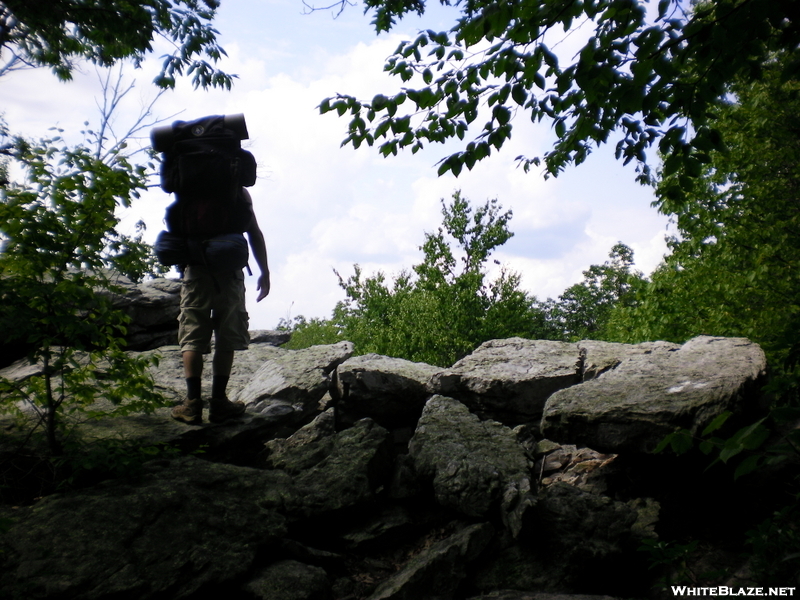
x,y
212,301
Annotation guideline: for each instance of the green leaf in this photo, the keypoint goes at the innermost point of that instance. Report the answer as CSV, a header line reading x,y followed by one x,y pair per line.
x,y
561,128
748,465
681,441
718,422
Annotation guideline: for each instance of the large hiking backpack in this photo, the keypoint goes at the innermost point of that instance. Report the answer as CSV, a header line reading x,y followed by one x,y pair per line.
x,y
204,165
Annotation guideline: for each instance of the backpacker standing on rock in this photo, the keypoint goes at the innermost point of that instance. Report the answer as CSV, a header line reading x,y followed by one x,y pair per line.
x,y
204,165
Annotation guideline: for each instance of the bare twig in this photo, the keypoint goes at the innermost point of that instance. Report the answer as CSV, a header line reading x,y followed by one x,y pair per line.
x,y
340,5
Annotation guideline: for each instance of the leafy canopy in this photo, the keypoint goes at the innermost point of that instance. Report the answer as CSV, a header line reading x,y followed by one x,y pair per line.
x,y
734,268
649,76
56,33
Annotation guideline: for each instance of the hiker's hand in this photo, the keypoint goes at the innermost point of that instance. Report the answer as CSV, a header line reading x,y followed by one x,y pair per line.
x,y
263,286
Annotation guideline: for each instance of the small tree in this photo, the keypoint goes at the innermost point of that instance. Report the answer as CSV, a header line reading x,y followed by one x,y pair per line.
x,y
583,310
56,228
444,307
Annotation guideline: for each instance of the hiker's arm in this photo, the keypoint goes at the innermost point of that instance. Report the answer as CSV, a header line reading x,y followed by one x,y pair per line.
x,y
259,247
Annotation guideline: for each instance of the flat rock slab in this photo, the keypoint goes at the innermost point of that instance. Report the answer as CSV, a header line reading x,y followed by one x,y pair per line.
x,y
598,357
510,380
634,405
182,527
170,380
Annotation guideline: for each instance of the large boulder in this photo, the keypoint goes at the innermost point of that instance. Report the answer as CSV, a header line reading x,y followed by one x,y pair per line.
x,y
153,307
589,538
646,396
473,465
392,391
510,380
298,378
331,473
597,357
183,527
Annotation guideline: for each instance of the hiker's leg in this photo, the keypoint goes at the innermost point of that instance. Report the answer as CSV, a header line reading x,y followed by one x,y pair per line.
x,y
190,411
195,326
192,363
221,368
223,362
219,407
194,337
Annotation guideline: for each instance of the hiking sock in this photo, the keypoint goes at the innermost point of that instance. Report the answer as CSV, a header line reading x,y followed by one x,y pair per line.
x,y
219,384
193,388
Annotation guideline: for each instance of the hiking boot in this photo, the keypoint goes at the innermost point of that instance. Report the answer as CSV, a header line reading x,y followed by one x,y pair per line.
x,y
189,412
222,409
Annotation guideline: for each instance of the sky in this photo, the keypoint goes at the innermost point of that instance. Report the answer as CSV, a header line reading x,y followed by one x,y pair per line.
x,y
323,207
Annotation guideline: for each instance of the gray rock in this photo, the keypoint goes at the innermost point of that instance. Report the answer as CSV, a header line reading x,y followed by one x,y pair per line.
x,y
153,307
598,357
633,406
437,571
235,441
510,380
290,580
352,468
297,377
307,447
169,376
391,391
270,336
474,465
585,535
183,527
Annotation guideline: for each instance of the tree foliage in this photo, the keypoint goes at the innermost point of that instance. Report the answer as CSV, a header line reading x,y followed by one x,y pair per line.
x,y
57,33
60,247
583,310
446,305
735,265
649,76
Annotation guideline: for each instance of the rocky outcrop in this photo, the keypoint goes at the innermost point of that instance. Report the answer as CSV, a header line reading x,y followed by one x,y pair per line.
x,y
646,396
475,467
153,308
298,379
438,570
510,380
388,390
181,528
514,474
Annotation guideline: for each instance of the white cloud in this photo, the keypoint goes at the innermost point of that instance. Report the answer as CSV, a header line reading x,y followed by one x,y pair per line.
x,y
323,207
